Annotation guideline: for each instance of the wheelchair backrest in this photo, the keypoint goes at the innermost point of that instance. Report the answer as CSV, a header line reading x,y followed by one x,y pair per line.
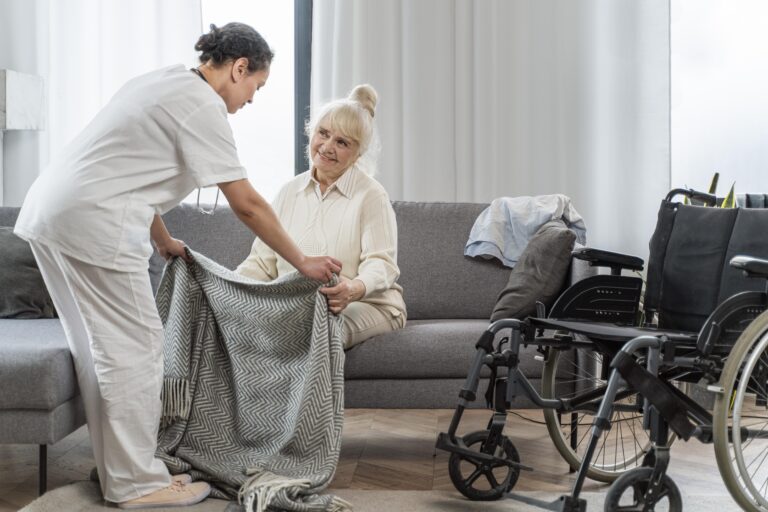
x,y
688,266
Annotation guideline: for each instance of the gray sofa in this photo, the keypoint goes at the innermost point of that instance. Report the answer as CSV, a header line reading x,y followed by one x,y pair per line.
x,y
449,298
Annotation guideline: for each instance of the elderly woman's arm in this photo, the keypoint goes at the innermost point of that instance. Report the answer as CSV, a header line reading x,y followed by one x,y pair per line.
x,y
378,269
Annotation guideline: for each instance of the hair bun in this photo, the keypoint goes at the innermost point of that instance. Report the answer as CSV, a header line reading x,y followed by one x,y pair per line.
x,y
366,96
209,41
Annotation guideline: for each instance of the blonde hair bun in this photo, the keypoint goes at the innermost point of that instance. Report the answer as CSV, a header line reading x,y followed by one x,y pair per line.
x,y
366,96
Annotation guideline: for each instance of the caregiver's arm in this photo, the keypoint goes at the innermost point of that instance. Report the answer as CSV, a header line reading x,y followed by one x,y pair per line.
x,y
166,245
256,213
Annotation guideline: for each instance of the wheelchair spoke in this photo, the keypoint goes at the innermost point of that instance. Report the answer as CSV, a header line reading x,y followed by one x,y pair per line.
x,y
764,486
602,448
585,435
491,478
749,440
471,479
752,437
623,454
636,444
764,451
621,447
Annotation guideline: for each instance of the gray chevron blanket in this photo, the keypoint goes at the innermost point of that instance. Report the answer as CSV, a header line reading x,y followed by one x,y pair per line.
x,y
253,391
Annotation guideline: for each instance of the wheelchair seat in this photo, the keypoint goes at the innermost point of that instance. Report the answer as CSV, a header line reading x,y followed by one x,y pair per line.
x,y
612,332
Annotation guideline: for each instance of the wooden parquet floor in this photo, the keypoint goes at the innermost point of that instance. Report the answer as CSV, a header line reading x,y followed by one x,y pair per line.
x,y
381,449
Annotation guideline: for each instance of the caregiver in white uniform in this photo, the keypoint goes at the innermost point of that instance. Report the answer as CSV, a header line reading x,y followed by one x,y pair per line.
x,y
89,218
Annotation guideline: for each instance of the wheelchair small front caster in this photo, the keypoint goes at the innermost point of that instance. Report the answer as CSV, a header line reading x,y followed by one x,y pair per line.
x,y
480,480
628,492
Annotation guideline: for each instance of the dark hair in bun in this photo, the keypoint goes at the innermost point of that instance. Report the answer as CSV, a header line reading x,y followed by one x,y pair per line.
x,y
233,41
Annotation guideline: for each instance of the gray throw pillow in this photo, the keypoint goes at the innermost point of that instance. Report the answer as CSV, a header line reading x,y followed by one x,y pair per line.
x,y
539,274
22,291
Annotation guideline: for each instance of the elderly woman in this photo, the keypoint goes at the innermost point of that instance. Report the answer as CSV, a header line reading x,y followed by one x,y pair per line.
x,y
337,208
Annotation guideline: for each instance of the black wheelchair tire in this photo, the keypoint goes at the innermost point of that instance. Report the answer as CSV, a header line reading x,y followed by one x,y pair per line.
x,y
460,481
636,480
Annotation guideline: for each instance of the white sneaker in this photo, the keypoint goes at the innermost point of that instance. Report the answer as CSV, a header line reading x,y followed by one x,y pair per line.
x,y
176,495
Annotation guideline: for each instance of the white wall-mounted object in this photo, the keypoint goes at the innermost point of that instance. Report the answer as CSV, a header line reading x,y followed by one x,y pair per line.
x,y
22,106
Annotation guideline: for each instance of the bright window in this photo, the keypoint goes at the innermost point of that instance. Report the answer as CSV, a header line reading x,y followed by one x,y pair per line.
x,y
264,130
719,111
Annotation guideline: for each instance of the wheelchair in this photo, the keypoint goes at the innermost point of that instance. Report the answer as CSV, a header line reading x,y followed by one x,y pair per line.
x,y
611,382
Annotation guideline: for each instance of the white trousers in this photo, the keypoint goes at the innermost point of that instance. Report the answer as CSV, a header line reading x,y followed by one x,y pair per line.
x,y
363,321
115,335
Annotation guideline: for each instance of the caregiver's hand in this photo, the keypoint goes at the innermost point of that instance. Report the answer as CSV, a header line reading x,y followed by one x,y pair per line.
x,y
173,247
319,268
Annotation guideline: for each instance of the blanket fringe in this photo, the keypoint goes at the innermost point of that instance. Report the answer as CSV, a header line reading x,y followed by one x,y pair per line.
x,y
260,491
264,487
176,400
340,505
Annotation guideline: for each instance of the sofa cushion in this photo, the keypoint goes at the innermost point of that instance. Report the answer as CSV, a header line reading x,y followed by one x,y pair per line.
x,y
221,236
36,369
425,349
438,280
8,215
22,291
539,274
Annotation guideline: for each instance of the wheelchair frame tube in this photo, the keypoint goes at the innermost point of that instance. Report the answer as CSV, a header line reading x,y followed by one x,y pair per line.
x,y
531,392
601,421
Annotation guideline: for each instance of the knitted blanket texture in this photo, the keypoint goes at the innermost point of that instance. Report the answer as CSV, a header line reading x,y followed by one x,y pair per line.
x,y
253,390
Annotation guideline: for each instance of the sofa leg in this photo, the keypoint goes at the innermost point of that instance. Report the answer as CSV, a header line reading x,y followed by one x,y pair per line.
x,y
43,470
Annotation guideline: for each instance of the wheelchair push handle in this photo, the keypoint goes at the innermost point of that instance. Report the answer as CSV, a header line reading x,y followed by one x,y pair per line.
x,y
706,199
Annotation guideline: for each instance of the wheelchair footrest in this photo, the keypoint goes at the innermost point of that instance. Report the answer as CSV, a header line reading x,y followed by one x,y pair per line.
x,y
444,443
570,504
562,504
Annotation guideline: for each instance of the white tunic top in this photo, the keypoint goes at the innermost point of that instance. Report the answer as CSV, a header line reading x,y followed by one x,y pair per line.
x,y
353,222
162,135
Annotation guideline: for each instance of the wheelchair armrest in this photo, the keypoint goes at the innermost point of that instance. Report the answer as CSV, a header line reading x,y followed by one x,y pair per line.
x,y
752,267
614,260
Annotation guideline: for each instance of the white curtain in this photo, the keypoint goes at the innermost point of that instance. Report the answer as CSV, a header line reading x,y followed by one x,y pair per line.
x,y
96,46
482,99
85,50
23,48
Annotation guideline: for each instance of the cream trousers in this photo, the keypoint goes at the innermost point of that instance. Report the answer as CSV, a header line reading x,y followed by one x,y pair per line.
x,y
363,321
116,336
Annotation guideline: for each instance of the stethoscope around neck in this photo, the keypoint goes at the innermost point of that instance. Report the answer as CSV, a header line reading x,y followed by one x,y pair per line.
x,y
215,201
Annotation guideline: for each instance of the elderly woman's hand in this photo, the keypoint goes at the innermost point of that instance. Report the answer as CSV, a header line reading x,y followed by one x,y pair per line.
x,y
339,296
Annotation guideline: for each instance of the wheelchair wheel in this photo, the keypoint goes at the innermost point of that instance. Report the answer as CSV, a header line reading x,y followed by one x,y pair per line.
x,y
481,482
628,493
622,447
740,423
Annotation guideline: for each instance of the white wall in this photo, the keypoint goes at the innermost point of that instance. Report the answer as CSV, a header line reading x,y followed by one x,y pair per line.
x,y
23,47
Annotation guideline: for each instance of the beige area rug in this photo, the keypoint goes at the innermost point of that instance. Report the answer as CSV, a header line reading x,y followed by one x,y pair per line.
x,y
86,497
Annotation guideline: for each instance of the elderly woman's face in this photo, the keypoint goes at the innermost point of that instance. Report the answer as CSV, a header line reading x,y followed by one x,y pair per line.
x,y
332,152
